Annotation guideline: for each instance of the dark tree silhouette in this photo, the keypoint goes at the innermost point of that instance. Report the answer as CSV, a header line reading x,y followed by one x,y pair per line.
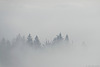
x,y
19,40
58,39
67,38
37,42
29,39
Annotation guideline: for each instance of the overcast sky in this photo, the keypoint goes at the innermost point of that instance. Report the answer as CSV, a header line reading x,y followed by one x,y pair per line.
x,y
80,19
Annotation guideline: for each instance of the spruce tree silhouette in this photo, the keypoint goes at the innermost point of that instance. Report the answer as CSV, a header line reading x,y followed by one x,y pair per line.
x,y
37,42
29,39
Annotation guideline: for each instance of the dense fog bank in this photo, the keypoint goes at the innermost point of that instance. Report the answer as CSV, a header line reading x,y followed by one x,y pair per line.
x,y
56,54
43,19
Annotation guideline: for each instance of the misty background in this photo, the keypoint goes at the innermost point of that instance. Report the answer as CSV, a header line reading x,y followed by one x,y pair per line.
x,y
80,19
46,18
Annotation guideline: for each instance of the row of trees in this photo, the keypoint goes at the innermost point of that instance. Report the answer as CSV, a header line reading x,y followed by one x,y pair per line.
x,y
36,42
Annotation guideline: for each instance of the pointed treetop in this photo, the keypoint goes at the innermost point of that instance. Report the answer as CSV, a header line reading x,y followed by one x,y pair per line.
x,y
36,37
66,38
37,41
29,35
29,38
18,37
60,36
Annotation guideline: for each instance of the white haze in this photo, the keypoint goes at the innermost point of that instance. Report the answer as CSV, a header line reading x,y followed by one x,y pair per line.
x,y
69,55
80,19
46,18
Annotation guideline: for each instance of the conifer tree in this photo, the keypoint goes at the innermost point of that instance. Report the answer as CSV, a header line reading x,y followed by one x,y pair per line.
x,y
37,42
67,38
29,39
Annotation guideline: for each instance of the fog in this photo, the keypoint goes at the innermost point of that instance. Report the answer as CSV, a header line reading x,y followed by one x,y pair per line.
x,y
79,19
58,53
47,18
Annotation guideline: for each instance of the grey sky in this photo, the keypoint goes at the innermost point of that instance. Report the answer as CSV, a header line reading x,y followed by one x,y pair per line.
x,y
46,18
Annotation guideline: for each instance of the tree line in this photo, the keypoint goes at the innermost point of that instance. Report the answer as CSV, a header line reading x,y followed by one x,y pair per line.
x,y
36,42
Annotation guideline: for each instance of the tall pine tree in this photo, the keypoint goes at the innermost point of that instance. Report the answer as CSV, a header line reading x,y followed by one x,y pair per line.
x,y
37,42
29,39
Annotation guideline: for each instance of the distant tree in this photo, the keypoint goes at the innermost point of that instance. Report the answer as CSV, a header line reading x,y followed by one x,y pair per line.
x,y
58,39
23,39
29,39
67,38
3,41
37,42
18,39
4,44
